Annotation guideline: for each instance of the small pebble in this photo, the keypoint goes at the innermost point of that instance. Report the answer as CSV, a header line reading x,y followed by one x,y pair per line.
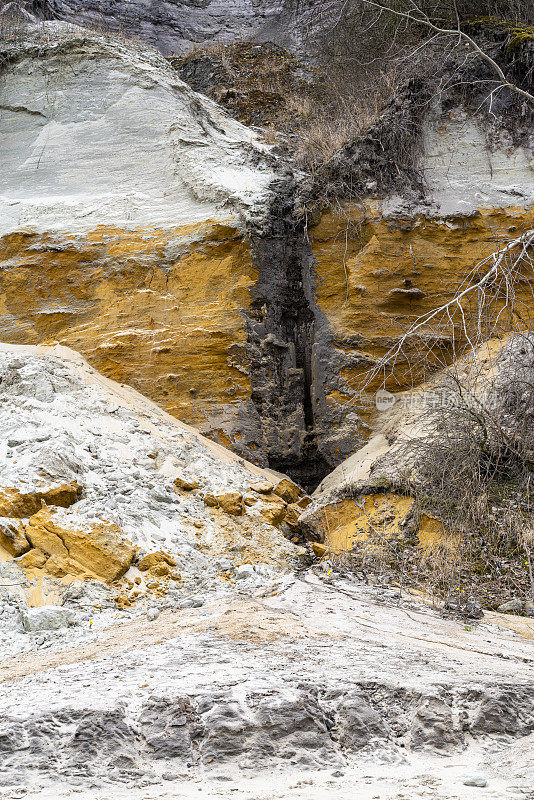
x,y
475,780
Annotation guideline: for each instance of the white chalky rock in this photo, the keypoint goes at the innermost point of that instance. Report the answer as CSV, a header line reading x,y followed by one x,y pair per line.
x,y
47,618
244,572
476,780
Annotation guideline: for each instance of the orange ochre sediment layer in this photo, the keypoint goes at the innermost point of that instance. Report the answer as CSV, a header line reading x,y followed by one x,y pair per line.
x,y
163,309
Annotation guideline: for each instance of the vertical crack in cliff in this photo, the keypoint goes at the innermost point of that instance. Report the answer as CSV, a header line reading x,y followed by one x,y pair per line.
x,y
281,330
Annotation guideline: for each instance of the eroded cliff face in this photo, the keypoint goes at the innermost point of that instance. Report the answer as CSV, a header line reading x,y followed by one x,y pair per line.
x,y
124,201
157,598
149,231
158,309
383,262
161,239
377,273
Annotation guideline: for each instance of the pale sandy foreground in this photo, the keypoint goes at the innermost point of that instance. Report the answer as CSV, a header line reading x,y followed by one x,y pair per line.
x,y
251,674
263,671
420,778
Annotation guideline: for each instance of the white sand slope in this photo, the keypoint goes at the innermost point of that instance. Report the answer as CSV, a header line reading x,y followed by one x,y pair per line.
x,y
246,680
98,131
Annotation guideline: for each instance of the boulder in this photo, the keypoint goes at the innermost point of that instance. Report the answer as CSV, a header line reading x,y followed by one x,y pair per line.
x,y
78,547
293,512
155,561
21,504
230,502
47,618
12,537
273,510
288,490
185,484
210,500
381,516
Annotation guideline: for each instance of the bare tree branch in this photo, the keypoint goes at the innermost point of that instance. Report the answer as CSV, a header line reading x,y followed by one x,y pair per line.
x,y
423,19
493,295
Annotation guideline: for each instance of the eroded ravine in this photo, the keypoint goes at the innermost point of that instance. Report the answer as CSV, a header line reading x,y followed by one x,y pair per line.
x,y
281,327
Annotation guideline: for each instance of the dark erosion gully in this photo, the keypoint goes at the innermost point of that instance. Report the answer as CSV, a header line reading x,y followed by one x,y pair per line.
x,y
282,324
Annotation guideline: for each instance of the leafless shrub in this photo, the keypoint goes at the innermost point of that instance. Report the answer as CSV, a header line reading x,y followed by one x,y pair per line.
x,y
455,53
473,463
13,17
475,473
470,472
468,455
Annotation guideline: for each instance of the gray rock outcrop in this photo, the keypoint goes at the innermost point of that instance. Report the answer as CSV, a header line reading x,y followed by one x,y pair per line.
x,y
176,26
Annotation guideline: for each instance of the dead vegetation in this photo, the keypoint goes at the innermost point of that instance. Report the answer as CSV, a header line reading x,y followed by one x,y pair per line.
x,y
258,84
13,16
370,74
467,460
310,110
468,455
476,473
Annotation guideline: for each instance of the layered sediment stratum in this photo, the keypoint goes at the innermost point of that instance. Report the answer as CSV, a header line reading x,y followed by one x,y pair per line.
x,y
177,26
159,629
146,229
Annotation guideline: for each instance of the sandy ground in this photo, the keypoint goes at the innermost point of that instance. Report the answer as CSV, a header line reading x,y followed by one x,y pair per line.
x,y
418,778
311,631
310,609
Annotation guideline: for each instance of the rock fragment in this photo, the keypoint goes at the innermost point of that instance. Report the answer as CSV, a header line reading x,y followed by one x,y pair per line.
x,y
12,537
47,618
511,607
19,504
33,559
475,780
274,510
97,548
288,490
230,502
152,560
262,487
185,484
